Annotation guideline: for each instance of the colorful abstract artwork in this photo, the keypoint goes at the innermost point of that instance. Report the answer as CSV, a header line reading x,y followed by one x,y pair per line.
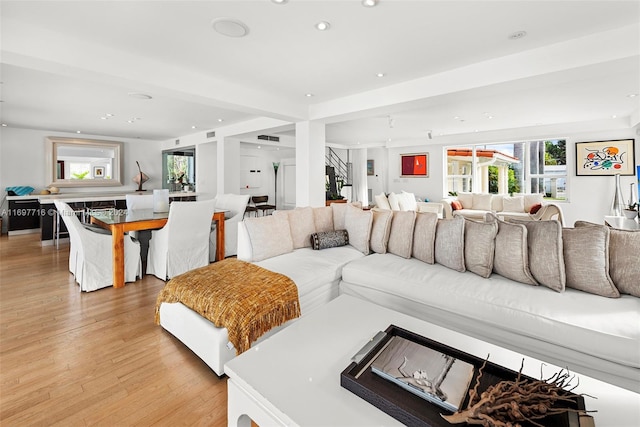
x,y
602,158
414,165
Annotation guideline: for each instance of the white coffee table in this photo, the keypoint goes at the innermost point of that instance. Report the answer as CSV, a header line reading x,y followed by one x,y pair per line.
x,y
293,377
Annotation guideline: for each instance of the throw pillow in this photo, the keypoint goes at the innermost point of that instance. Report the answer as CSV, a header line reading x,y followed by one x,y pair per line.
x,y
301,223
358,224
456,205
394,201
535,208
323,218
449,244
624,259
530,200
269,236
329,239
586,260
401,235
513,204
479,246
546,259
511,258
482,202
380,230
424,237
382,202
466,199
407,201
339,210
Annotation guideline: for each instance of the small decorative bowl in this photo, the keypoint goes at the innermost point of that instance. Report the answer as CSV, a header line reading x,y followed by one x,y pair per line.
x,y
630,214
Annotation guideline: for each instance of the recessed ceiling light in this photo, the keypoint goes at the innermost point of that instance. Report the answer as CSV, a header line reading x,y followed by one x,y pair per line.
x,y
614,116
130,121
4,125
279,1
138,95
369,3
632,95
308,95
323,25
78,131
220,120
109,115
104,118
517,35
230,27
259,146
380,75
194,127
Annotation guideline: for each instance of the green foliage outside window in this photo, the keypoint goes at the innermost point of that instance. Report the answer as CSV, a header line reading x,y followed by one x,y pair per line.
x,y
80,175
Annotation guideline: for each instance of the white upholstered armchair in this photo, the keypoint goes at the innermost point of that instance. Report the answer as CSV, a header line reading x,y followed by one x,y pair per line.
x,y
235,204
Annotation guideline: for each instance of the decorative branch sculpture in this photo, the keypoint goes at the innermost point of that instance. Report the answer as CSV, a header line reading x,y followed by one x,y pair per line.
x,y
508,403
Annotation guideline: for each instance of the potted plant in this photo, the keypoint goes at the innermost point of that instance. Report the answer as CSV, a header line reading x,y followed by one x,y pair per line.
x,y
631,211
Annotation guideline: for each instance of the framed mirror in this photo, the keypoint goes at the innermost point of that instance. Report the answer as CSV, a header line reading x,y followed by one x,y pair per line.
x,y
75,162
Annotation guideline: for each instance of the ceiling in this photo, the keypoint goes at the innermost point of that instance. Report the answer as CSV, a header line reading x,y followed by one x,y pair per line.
x,y
449,67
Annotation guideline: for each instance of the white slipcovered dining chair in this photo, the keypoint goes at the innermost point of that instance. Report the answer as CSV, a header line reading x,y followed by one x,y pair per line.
x,y
235,204
183,243
90,254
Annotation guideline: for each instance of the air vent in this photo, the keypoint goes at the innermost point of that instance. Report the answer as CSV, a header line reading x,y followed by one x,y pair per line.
x,y
211,134
269,138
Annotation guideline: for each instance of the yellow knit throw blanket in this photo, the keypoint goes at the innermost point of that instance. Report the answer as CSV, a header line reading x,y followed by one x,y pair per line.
x,y
246,299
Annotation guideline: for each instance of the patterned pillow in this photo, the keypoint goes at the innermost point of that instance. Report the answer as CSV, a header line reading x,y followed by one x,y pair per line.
x,y
449,244
329,239
479,246
456,205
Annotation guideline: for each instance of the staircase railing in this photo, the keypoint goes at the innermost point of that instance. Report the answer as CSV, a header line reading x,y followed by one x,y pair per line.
x,y
341,168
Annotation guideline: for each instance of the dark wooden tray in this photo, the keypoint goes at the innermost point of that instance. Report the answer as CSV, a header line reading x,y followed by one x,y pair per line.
x,y
412,410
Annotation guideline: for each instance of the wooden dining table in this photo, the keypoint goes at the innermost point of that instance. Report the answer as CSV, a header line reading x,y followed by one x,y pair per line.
x,y
120,221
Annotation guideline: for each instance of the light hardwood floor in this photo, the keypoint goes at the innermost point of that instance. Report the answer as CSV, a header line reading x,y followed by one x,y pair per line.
x,y
70,358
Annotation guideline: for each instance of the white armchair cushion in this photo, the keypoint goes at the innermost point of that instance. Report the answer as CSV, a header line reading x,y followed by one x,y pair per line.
x,y
466,199
394,202
407,201
513,204
382,202
497,204
482,201
269,236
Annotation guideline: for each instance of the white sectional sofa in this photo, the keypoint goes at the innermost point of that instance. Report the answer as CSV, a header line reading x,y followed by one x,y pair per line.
x,y
462,274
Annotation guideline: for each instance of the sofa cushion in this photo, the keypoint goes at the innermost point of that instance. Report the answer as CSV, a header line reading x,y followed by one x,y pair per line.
x,y
529,200
586,260
301,223
323,218
407,201
482,201
513,204
382,202
339,210
329,239
546,259
380,229
479,246
269,236
358,222
401,235
512,256
497,204
449,243
424,236
624,259
466,199
394,201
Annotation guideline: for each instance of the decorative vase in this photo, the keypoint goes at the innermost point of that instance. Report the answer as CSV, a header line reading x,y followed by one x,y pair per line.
x,y
618,204
633,200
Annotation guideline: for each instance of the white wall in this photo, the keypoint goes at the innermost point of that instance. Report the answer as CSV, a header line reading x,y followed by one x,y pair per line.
x,y
265,159
590,197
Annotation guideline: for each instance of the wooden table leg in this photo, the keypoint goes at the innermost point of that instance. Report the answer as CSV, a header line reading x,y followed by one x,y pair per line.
x,y
219,217
117,236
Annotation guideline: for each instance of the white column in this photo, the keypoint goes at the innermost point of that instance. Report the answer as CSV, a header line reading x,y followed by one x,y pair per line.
x,y
310,164
228,166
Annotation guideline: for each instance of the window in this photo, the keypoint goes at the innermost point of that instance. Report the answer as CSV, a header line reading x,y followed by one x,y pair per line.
x,y
506,168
